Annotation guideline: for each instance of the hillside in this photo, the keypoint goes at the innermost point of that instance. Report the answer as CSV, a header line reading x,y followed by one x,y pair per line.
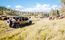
x,y
43,29
7,11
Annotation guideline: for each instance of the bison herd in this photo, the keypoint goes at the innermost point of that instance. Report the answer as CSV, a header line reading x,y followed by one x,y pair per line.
x,y
54,17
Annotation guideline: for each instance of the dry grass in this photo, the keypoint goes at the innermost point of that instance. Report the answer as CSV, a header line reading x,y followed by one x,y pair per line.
x,y
43,29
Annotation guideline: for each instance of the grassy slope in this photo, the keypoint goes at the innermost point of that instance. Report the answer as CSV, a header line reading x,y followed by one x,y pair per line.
x,y
41,30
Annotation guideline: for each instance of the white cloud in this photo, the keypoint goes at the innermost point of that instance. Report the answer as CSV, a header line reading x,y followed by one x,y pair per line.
x,y
54,6
43,7
18,6
37,7
8,6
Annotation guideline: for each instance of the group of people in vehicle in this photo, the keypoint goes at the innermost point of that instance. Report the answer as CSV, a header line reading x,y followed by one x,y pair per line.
x,y
12,22
17,21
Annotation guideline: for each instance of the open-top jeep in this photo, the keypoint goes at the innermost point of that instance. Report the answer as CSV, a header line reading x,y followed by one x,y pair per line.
x,y
23,20
20,21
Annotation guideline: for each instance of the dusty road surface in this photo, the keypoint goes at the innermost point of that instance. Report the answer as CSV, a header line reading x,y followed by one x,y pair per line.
x,y
42,29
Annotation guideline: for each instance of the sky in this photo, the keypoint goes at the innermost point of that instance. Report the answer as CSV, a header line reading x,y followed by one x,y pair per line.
x,y
31,5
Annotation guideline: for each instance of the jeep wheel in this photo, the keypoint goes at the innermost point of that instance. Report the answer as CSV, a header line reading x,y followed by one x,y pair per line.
x,y
30,22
